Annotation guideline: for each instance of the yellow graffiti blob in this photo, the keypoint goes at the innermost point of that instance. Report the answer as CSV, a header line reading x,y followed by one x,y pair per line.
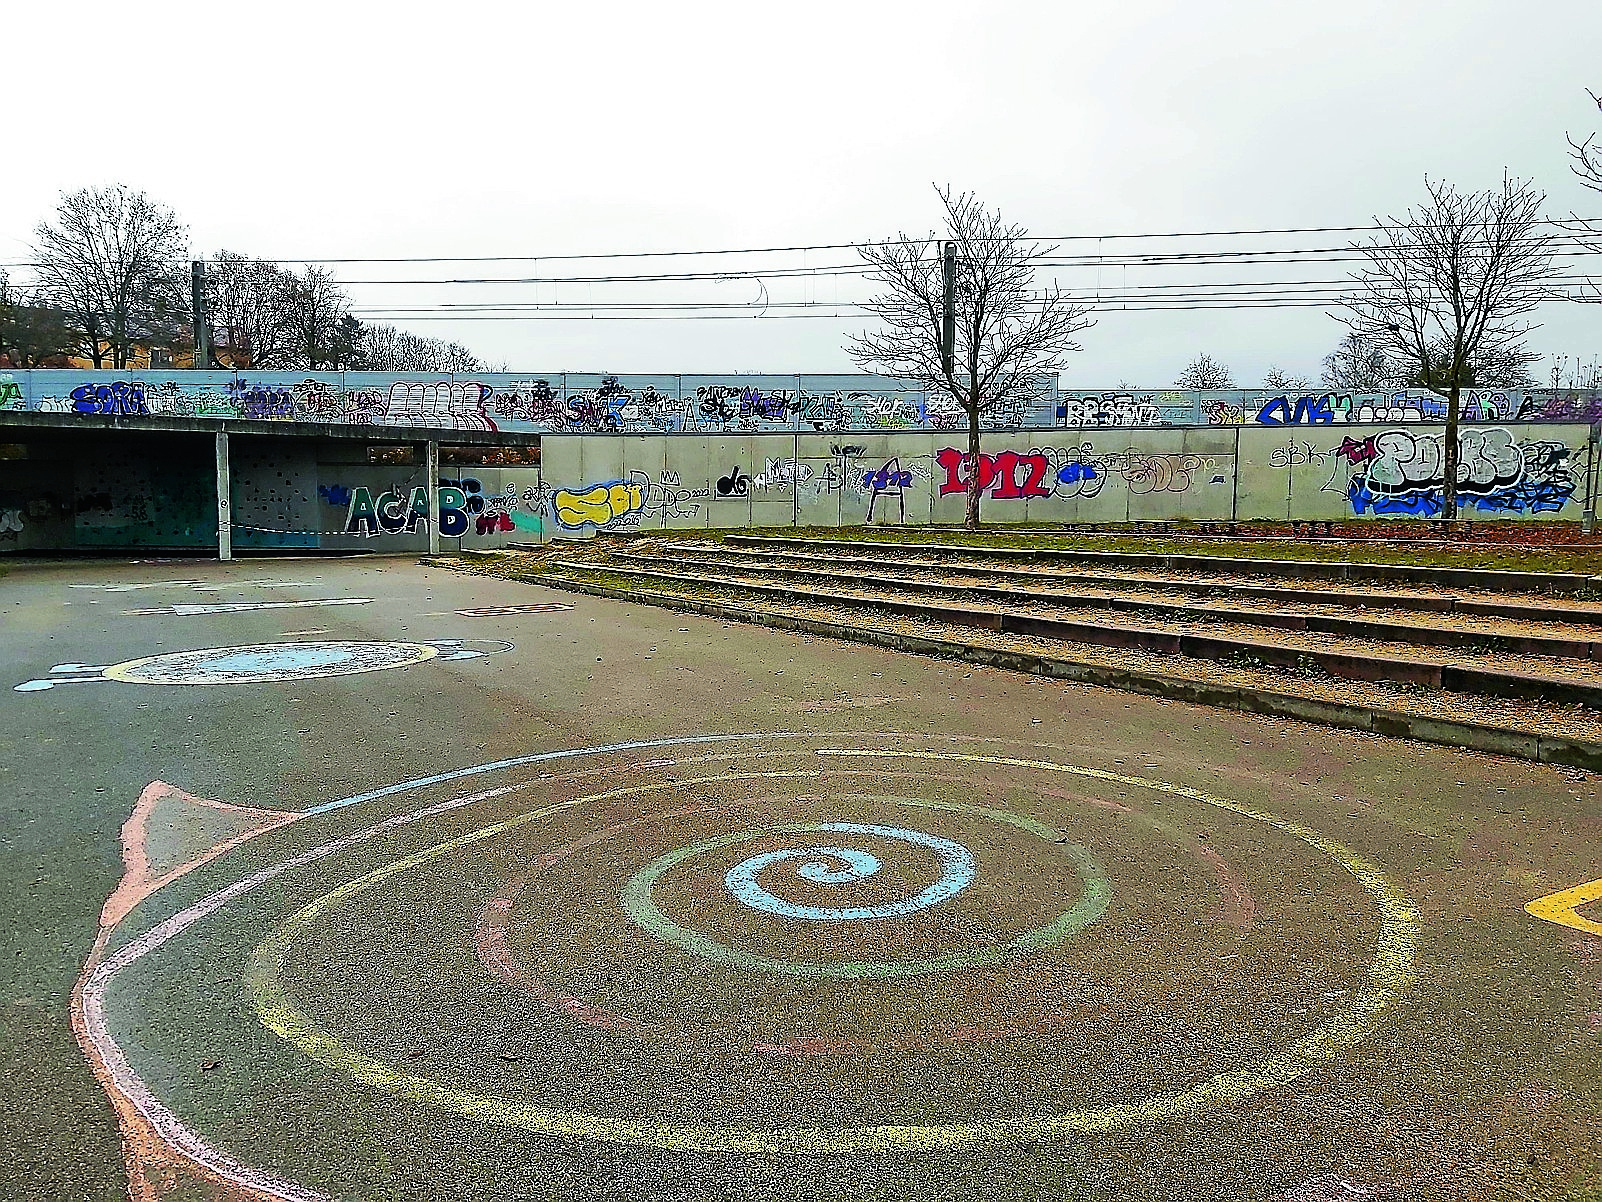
x,y
602,504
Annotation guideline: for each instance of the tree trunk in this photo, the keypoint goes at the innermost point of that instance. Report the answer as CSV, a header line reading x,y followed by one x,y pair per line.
x,y
972,519
96,355
1449,453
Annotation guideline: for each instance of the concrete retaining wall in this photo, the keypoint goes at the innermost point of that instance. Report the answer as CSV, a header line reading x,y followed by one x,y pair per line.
x,y
1204,474
134,487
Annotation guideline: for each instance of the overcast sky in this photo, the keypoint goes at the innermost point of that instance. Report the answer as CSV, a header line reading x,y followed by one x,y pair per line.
x,y
327,130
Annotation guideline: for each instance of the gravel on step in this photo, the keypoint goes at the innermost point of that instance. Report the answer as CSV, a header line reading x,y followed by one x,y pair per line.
x,y
1535,717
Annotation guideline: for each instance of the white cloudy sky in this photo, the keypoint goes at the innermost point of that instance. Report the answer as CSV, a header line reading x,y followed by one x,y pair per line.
x,y
330,130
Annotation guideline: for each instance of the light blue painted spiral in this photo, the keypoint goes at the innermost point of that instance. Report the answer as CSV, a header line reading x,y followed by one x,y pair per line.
x,y
956,864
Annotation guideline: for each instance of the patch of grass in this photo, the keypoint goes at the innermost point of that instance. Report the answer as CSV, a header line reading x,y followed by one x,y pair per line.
x,y
1585,559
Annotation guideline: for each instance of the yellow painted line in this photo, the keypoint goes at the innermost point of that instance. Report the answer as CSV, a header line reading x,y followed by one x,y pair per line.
x,y
1560,907
1391,974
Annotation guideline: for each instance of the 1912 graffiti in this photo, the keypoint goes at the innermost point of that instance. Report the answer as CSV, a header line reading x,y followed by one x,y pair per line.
x,y
1009,476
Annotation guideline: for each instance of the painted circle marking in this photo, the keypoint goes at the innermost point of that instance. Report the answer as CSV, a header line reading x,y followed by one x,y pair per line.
x,y
1235,910
1391,974
262,662
1092,903
956,864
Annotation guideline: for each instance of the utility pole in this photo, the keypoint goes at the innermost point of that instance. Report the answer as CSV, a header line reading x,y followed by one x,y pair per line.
x,y
1593,482
948,322
197,296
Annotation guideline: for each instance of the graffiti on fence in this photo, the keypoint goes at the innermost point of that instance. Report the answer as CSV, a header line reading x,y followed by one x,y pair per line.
x,y
399,510
1073,472
258,402
735,485
1303,411
890,483
1145,473
1108,409
1007,476
447,404
611,404
613,502
668,497
1402,473
1299,453
1224,413
120,397
511,510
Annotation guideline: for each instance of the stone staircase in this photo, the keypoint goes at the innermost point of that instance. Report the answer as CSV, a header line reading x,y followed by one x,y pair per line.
x,y
1515,652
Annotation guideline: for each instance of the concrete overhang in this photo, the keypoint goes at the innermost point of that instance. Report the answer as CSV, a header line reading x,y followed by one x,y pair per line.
x,y
101,423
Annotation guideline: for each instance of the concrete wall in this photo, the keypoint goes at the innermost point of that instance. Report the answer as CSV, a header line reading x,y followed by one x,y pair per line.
x,y
141,489
99,490
732,404
1513,472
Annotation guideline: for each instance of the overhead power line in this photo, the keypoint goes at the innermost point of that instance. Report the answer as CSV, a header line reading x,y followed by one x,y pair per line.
x,y
1567,223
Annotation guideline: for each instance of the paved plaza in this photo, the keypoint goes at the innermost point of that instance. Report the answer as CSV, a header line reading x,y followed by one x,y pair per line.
x,y
344,879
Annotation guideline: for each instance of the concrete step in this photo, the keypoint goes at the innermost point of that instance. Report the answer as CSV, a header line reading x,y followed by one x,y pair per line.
x,y
1533,610
1350,665
1297,569
1501,727
1370,628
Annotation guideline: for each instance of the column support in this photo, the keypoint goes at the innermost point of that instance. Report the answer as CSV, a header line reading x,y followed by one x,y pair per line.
x,y
225,517
431,461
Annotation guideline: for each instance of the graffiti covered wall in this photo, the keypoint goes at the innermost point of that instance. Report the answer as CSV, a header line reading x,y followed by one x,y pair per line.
x,y
735,404
117,489
1511,471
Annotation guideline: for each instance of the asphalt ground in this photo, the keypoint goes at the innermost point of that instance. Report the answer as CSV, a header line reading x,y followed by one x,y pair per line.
x,y
702,910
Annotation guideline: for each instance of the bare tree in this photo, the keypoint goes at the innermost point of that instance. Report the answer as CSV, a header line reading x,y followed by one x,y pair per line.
x,y
1576,375
1358,365
379,349
454,357
385,348
32,334
1006,332
1204,372
252,307
1489,367
1285,381
317,306
1455,273
1587,154
114,262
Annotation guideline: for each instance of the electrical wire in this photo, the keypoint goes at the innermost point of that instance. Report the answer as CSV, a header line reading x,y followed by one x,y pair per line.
x,y
1566,224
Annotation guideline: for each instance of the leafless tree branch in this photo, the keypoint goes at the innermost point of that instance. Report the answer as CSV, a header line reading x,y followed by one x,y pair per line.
x,y
1008,331
1444,289
114,261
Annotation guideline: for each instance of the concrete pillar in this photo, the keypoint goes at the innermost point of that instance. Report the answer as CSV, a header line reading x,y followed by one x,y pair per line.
x,y
225,517
431,460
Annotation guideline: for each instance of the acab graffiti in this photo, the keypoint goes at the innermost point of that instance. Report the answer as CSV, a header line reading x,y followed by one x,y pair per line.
x,y
397,511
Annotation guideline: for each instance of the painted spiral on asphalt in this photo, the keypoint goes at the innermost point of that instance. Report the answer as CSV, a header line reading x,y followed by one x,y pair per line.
x,y
956,873
834,866
808,907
